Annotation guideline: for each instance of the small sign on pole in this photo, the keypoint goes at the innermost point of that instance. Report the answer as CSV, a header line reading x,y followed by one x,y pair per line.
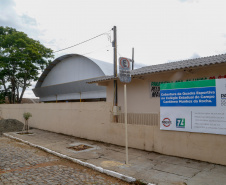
x,y
124,70
125,77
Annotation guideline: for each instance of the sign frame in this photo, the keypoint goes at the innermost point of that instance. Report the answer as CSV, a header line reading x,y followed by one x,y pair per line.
x,y
124,70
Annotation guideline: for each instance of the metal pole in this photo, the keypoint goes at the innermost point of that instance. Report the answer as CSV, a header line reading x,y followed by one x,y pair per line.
x,y
115,66
125,112
132,58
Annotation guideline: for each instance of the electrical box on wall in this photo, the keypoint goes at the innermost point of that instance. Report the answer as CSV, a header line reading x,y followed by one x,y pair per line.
x,y
116,110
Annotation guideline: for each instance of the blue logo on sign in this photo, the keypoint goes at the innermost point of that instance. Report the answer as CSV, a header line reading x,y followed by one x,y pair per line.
x,y
180,122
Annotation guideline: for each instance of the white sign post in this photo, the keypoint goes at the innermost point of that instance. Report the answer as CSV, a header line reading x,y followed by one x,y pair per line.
x,y
125,77
126,132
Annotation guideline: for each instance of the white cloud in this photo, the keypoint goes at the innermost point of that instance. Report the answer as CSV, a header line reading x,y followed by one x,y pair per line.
x,y
7,16
195,55
188,1
159,30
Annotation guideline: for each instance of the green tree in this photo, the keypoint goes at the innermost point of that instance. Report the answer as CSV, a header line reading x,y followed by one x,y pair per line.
x,y
21,59
2,96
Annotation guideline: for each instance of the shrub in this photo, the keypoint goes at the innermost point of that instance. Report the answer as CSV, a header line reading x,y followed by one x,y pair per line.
x,y
27,115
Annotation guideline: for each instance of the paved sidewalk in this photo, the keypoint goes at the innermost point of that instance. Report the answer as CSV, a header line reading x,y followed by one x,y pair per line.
x,y
149,167
23,165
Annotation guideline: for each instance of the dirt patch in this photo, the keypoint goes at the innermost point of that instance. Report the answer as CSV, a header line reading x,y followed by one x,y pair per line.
x,y
10,125
107,164
79,147
25,133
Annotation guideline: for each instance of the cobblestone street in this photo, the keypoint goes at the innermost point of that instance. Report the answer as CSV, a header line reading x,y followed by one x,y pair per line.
x,y
22,164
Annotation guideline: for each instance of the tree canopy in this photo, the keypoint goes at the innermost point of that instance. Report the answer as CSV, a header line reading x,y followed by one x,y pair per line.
x,y
21,60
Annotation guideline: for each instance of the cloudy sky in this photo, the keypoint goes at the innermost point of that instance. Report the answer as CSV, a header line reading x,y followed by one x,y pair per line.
x,y
159,30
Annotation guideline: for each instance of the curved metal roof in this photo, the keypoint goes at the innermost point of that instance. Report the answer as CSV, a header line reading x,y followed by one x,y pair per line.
x,y
105,67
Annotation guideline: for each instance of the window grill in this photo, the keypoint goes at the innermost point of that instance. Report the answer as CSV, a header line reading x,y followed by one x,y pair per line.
x,y
151,119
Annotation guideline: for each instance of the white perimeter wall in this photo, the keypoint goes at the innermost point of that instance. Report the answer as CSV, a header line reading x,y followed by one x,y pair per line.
x,y
91,120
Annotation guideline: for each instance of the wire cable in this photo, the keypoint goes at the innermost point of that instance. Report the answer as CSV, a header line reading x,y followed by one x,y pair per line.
x,y
96,50
105,33
119,54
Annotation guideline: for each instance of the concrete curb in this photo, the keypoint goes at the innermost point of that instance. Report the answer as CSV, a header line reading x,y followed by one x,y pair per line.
x,y
99,169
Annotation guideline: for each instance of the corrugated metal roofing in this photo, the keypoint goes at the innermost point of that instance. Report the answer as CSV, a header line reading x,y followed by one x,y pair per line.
x,y
216,59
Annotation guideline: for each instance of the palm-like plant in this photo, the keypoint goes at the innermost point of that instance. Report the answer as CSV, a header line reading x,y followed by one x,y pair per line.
x,y
26,116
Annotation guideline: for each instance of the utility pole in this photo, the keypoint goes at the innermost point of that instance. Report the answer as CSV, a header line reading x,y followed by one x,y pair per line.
x,y
132,58
114,45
